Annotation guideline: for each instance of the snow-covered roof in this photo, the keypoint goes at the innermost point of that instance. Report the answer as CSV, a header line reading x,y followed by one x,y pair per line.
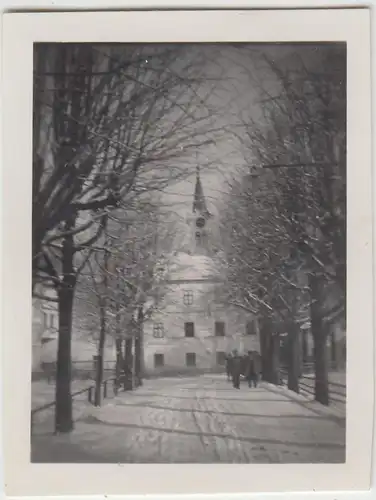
x,y
192,267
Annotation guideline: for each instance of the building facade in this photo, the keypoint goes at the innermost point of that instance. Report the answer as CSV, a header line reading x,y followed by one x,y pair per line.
x,y
84,347
45,324
192,329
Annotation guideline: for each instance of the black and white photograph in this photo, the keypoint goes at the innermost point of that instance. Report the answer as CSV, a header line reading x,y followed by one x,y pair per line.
x,y
189,252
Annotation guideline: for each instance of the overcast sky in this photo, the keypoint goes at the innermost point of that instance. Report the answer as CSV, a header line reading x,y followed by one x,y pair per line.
x,y
234,92
238,92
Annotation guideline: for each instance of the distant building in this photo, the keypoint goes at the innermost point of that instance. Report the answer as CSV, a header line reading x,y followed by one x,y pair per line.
x,y
45,324
191,329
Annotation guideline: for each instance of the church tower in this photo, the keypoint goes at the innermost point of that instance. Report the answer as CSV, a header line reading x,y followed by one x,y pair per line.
x,y
199,221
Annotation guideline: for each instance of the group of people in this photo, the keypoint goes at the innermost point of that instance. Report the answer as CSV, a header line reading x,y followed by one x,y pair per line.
x,y
248,365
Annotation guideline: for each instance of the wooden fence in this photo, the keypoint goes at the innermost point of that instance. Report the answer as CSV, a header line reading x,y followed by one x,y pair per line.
x,y
90,397
81,370
337,390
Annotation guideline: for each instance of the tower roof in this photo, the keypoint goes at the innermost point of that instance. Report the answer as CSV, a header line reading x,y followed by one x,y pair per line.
x,y
199,202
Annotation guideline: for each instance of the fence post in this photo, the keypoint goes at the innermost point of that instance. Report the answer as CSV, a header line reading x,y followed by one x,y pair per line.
x,y
89,394
105,389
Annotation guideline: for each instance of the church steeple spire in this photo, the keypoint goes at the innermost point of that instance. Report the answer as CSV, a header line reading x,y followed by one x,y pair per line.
x,y
199,202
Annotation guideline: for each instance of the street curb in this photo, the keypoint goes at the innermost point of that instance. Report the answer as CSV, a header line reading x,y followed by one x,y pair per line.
x,y
308,403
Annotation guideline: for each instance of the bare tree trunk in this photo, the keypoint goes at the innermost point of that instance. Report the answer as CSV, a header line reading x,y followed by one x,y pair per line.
x,y
333,351
63,411
320,347
63,415
63,397
138,346
275,354
304,347
118,346
264,348
40,60
137,354
321,369
128,364
102,333
269,345
119,361
99,366
293,369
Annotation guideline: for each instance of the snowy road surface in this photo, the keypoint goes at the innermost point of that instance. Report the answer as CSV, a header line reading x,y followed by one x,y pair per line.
x,y
198,420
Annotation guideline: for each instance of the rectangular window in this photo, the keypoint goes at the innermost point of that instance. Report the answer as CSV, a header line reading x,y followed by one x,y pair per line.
x,y
188,298
189,329
250,328
190,359
158,331
219,329
48,320
221,357
55,321
158,360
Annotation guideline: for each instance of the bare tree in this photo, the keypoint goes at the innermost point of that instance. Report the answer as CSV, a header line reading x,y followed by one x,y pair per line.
x,y
249,259
298,256
126,282
119,120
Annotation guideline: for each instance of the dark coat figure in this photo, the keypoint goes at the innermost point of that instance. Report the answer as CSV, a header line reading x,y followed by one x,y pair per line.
x,y
236,368
228,366
127,375
253,368
244,365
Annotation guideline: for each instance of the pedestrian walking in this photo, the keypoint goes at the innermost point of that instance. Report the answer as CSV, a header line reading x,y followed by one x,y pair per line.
x,y
228,365
257,365
236,367
253,368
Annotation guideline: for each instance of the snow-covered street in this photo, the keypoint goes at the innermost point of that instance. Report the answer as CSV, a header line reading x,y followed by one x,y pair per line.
x,y
202,420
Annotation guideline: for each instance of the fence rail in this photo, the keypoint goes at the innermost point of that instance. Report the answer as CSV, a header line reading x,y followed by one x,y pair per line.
x,y
90,393
337,390
81,370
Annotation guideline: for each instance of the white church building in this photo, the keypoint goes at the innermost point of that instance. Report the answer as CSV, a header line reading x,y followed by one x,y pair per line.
x,y
192,330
